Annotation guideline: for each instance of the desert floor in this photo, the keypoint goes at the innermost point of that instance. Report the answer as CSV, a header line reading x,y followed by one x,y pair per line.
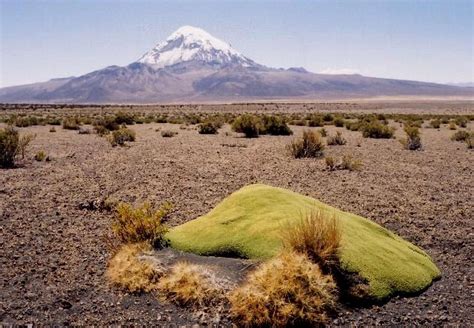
x,y
54,251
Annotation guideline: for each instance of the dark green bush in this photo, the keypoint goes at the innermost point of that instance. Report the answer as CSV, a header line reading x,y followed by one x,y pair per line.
x,y
124,118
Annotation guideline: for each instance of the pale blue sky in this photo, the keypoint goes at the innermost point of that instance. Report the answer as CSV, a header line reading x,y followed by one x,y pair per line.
x,y
419,40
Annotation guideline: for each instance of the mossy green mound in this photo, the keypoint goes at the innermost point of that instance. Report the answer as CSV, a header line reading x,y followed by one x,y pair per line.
x,y
248,223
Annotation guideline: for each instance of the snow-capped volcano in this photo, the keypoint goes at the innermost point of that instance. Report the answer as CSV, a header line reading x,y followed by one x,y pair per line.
x,y
190,43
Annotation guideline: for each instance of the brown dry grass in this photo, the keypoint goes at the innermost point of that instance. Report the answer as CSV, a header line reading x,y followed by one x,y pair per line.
x,y
126,271
317,235
309,145
288,290
189,285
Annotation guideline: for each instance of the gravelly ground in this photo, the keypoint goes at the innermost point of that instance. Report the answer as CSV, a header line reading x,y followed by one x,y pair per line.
x,y
54,254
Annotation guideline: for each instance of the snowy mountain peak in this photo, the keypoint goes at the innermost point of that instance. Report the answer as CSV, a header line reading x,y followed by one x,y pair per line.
x,y
190,43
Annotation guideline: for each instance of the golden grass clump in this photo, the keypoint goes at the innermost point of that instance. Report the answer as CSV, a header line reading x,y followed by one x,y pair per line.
x,y
139,224
288,290
316,235
126,271
189,285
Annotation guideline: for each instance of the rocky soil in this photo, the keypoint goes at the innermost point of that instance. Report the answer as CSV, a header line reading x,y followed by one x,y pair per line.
x,y
54,246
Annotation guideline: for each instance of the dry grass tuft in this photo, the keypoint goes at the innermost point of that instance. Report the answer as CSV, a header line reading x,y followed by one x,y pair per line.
x,y
126,271
316,235
189,285
288,290
309,145
139,224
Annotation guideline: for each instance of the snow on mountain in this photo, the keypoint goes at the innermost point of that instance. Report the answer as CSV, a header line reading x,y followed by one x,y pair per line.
x,y
190,43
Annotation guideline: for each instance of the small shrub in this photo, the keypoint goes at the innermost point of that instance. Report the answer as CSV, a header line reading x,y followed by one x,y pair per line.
x,y
470,141
132,225
330,163
52,129
346,163
435,124
316,235
338,139
327,117
12,146
40,156
126,271
315,120
189,285
168,133
339,122
375,129
124,118
248,124
412,140
461,121
275,126
452,126
460,135
122,135
207,128
349,163
309,145
71,123
288,290
323,132
106,124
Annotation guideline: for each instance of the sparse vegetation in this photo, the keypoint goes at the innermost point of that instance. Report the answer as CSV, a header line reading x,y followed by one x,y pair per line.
x,y
122,135
132,225
323,132
347,162
12,146
288,290
412,140
460,135
452,126
309,145
168,133
435,123
190,285
275,126
337,139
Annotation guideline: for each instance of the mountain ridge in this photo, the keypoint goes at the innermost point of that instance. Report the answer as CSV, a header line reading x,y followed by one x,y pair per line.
x,y
193,65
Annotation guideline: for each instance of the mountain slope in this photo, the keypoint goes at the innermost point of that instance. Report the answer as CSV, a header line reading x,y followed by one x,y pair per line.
x,y
192,65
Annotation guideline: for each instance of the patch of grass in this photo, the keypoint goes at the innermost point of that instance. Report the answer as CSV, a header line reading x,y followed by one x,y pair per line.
x,y
249,222
309,145
413,139
122,135
126,271
132,225
12,146
337,139
288,290
316,235
248,124
189,285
